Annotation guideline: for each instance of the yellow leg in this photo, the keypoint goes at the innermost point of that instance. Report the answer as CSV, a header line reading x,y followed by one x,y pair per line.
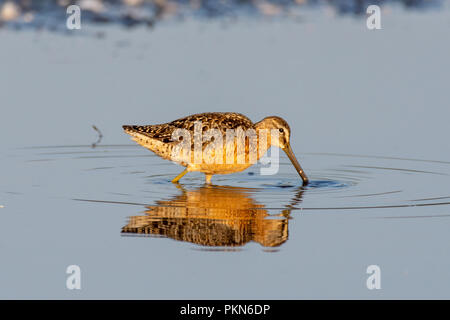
x,y
178,177
208,178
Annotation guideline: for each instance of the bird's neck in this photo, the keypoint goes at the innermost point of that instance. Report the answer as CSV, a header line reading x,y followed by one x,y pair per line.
x,y
264,137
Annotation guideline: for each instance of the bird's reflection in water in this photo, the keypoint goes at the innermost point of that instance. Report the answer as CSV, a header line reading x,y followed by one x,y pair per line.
x,y
213,216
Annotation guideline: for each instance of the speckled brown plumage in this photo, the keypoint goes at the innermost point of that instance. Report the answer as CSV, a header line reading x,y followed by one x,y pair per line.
x,y
211,120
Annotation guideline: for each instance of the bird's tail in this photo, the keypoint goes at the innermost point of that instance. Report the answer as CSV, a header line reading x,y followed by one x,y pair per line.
x,y
140,134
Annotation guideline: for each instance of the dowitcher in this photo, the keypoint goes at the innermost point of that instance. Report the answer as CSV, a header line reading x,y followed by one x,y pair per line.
x,y
160,139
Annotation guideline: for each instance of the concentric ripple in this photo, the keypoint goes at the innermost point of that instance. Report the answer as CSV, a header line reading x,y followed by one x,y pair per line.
x,y
338,181
238,208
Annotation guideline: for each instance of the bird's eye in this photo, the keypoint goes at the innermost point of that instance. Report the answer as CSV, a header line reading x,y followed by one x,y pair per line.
x,y
281,130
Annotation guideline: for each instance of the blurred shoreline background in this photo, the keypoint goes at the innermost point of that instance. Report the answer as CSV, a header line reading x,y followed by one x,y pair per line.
x,y
51,14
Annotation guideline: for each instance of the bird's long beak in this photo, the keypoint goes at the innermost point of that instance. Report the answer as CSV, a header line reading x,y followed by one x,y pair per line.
x,y
297,166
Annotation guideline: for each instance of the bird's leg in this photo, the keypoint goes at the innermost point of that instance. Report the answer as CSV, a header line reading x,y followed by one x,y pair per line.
x,y
208,178
178,177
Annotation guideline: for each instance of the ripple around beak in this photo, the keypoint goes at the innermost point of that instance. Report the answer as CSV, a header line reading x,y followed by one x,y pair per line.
x,y
297,165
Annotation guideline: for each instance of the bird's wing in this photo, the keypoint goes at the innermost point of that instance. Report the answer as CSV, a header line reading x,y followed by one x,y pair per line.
x,y
214,120
221,121
161,132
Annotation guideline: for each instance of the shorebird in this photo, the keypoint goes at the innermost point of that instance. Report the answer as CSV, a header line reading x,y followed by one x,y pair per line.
x,y
160,139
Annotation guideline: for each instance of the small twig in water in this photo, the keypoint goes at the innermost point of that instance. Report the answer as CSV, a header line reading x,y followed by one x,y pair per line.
x,y
100,136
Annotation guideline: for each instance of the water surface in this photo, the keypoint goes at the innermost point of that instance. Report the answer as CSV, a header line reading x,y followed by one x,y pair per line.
x,y
368,112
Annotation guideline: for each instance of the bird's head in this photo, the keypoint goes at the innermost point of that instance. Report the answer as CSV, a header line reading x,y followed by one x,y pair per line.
x,y
280,126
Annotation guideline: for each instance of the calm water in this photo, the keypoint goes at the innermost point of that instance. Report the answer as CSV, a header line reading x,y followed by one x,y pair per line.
x,y
369,116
